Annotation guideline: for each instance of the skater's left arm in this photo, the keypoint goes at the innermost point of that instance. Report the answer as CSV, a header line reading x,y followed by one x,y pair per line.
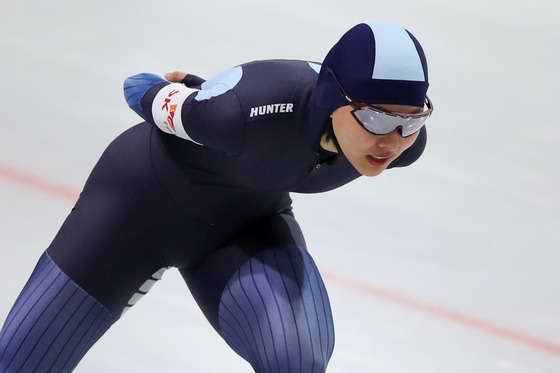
x,y
183,106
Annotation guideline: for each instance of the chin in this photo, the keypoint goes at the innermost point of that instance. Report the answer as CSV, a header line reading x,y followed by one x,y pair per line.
x,y
372,174
370,171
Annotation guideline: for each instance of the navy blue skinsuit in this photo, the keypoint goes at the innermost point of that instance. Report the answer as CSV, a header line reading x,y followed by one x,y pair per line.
x,y
215,204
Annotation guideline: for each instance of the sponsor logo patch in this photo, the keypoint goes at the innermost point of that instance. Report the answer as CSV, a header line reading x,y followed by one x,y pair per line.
x,y
170,109
286,107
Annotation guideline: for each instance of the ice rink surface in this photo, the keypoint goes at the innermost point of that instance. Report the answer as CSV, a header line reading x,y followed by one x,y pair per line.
x,y
451,265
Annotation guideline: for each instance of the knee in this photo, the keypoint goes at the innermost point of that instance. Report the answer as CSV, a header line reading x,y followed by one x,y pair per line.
x,y
296,358
281,349
278,320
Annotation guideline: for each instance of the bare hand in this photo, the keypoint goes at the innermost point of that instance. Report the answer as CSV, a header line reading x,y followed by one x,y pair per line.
x,y
175,77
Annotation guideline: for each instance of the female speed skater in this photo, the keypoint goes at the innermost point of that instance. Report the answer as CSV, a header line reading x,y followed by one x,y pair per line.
x,y
203,185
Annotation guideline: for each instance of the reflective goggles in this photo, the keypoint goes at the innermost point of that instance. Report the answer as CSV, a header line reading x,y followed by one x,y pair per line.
x,y
380,122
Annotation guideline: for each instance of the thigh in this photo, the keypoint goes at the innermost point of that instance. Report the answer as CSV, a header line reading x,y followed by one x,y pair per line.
x,y
111,249
124,229
263,293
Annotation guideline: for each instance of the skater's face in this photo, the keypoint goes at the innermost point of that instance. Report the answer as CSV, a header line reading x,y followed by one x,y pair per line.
x,y
370,154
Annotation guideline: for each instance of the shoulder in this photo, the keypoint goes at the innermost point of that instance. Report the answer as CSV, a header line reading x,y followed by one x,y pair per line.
x,y
260,80
279,75
276,87
262,91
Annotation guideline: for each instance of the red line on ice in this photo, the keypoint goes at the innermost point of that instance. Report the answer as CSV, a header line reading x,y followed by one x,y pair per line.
x,y
37,183
442,313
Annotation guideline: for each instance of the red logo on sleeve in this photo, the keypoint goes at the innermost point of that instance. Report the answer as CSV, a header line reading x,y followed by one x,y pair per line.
x,y
170,109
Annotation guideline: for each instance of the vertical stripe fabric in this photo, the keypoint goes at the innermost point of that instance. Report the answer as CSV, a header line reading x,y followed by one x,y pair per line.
x,y
52,324
275,313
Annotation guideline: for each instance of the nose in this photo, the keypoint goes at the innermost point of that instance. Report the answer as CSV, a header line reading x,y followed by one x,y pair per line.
x,y
390,141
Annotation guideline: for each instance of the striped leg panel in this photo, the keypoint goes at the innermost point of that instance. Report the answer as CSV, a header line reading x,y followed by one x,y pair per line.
x,y
275,313
52,324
